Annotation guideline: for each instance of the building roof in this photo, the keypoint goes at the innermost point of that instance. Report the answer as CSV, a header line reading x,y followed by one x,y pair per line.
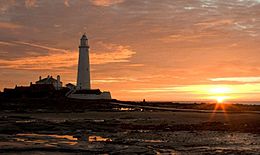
x,y
49,79
70,84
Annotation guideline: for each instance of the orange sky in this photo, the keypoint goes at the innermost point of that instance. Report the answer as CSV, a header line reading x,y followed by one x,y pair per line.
x,y
157,50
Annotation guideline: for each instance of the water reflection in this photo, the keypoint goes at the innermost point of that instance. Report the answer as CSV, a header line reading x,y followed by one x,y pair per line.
x,y
98,139
69,137
153,141
147,140
25,121
124,109
54,139
46,138
128,109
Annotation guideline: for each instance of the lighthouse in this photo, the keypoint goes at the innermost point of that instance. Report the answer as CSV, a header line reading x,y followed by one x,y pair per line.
x,y
83,78
83,89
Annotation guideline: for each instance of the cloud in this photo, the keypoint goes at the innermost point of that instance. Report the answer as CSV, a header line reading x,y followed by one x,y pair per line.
x,y
106,2
7,25
53,61
135,65
39,46
115,80
60,58
6,43
6,4
237,79
215,23
66,3
188,37
30,3
117,53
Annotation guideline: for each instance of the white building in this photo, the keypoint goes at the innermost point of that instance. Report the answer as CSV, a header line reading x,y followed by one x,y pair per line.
x,y
83,88
83,78
50,80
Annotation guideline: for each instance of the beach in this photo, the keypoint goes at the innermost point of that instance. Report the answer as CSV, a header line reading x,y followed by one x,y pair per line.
x,y
129,130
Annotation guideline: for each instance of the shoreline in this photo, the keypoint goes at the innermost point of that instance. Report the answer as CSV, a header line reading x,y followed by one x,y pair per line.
x,y
183,110
51,126
63,104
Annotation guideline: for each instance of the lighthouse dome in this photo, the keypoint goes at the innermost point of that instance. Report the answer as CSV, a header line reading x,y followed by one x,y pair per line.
x,y
84,36
84,41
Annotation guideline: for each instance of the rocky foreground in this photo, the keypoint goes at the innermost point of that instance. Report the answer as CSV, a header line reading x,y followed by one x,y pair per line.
x,y
126,128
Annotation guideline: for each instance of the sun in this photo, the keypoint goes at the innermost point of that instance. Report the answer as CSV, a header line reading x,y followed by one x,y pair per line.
x,y
220,93
220,99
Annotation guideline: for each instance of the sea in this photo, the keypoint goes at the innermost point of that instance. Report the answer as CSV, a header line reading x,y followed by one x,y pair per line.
x,y
227,102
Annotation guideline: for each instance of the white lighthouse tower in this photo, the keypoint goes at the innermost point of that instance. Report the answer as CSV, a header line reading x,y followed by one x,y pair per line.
x,y
83,89
83,80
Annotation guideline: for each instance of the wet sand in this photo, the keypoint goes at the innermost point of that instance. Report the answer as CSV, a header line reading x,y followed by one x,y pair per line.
x,y
130,132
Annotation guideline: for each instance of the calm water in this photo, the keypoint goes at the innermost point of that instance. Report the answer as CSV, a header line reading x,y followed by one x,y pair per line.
x,y
231,102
